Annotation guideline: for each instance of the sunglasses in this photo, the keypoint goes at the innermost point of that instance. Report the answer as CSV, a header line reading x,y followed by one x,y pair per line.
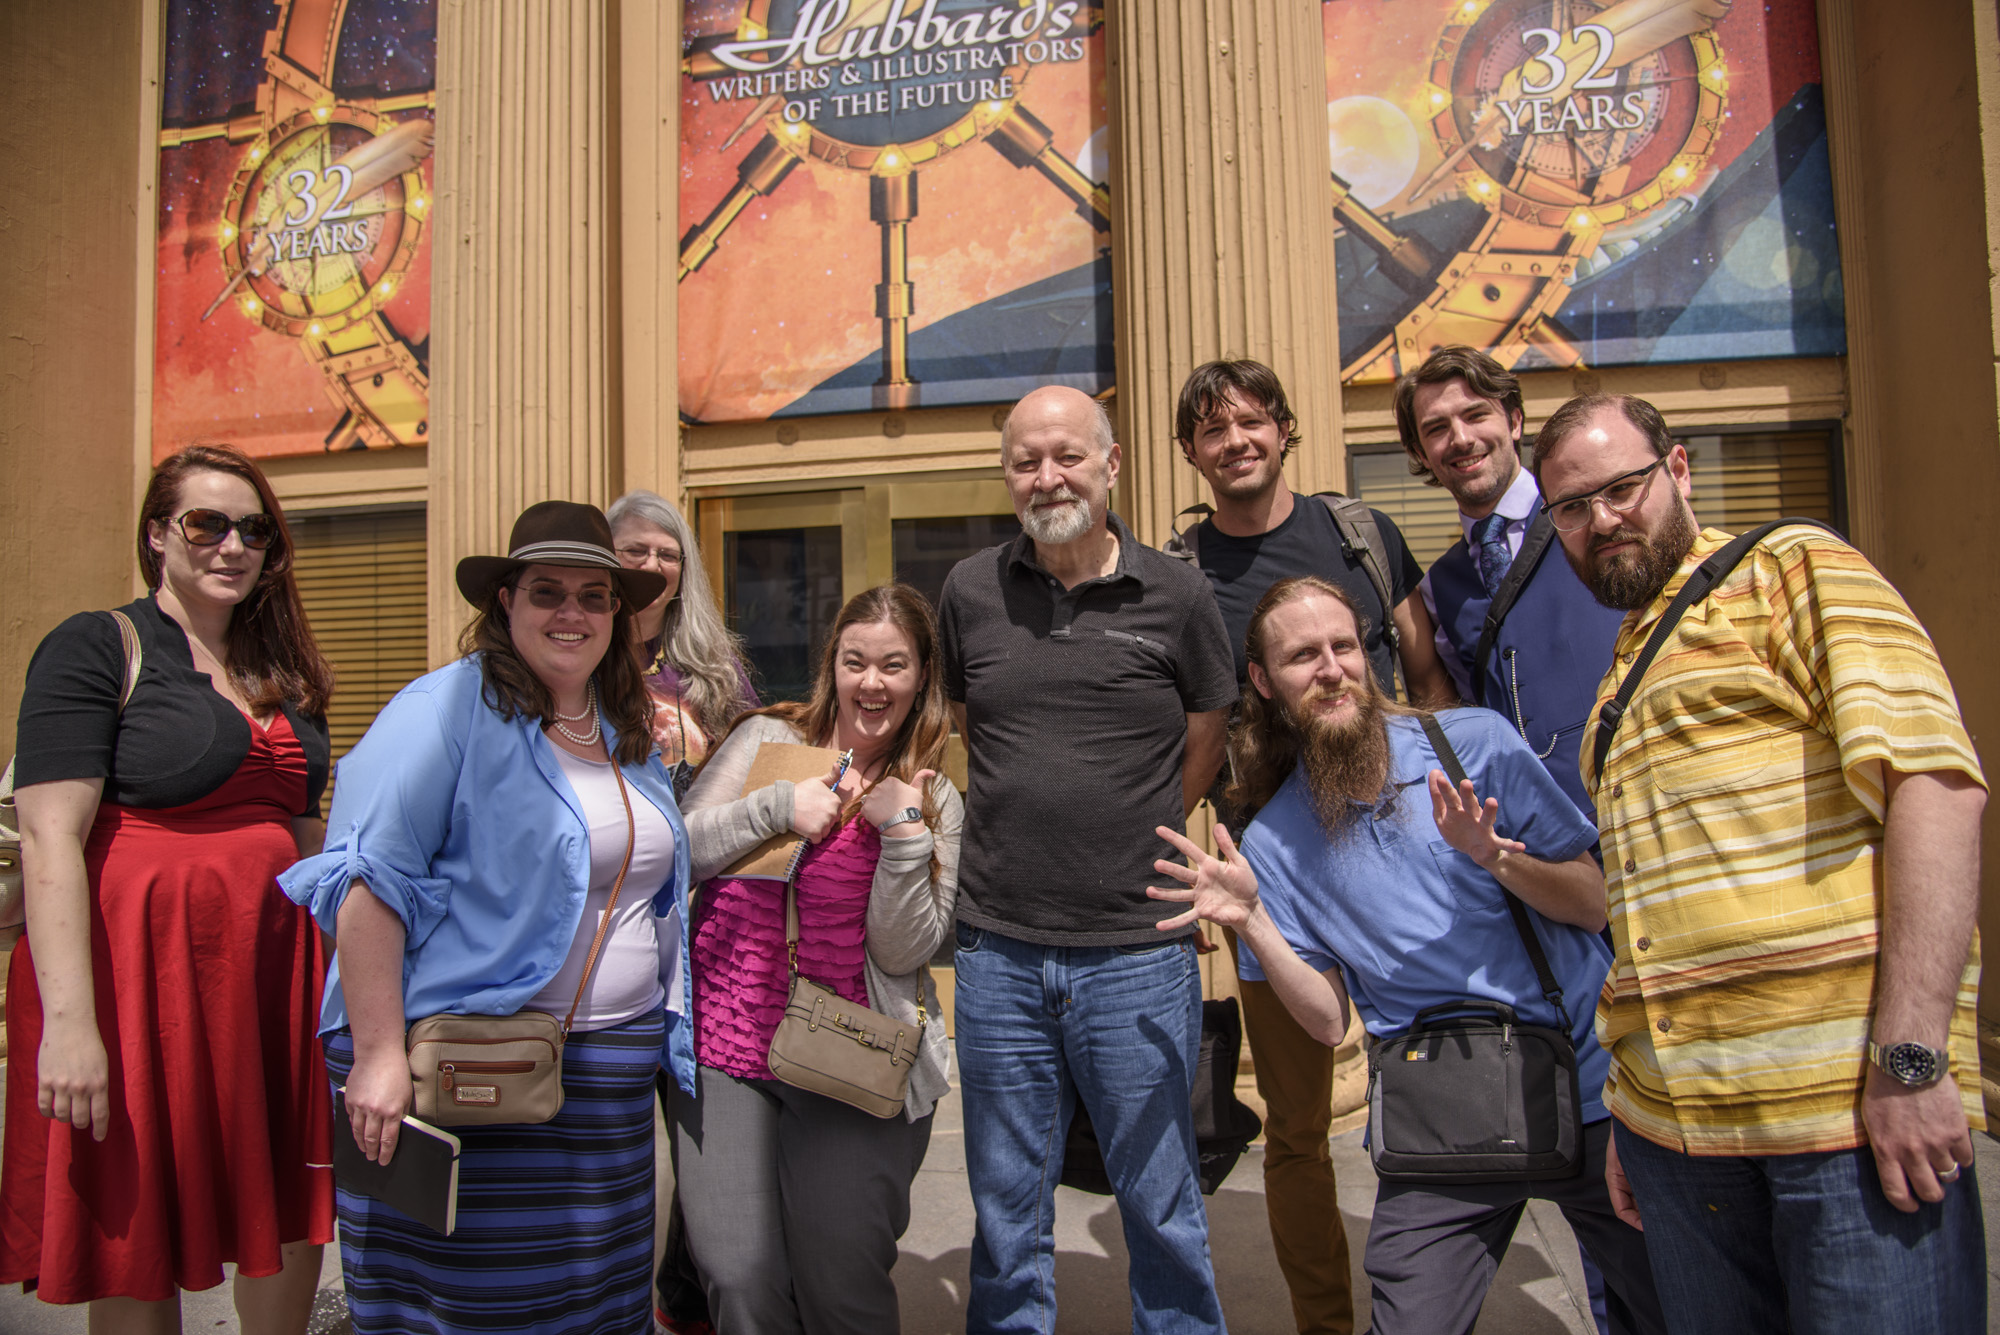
x,y
597,601
207,528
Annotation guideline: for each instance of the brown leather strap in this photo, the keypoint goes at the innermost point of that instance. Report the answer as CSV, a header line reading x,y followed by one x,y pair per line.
x,y
604,923
792,886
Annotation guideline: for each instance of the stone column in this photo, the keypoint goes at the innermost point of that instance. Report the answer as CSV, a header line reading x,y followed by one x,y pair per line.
x,y
1222,228
646,35
524,378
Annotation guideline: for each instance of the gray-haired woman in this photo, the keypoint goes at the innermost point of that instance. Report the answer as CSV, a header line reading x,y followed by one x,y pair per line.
x,y
694,665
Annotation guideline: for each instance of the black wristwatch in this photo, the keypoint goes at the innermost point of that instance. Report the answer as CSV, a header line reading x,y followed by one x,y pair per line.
x,y
1911,1064
907,813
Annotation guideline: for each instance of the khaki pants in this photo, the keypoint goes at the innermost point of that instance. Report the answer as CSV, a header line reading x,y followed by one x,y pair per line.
x,y
1295,1079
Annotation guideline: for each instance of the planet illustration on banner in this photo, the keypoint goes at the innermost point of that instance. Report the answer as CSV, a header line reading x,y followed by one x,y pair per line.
x,y
1373,145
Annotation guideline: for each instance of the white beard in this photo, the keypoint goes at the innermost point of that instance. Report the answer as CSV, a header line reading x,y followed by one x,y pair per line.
x,y
1054,525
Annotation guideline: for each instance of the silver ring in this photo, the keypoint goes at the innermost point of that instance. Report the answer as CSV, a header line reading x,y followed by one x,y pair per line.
x,y
1952,1176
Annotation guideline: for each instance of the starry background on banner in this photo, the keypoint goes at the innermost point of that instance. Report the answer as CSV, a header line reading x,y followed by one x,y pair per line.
x,y
230,379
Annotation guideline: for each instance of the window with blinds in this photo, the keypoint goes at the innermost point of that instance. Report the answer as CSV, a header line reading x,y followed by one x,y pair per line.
x,y
1741,478
361,575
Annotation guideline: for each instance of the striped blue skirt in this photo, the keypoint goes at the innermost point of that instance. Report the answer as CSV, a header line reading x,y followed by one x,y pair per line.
x,y
555,1221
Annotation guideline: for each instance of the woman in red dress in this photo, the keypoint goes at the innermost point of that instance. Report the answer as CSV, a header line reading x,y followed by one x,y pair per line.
x,y
166,1106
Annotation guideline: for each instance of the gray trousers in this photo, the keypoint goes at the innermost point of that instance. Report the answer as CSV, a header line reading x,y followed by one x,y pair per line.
x,y
1433,1250
793,1204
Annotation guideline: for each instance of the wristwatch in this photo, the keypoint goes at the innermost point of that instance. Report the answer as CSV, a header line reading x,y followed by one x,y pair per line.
x,y
1911,1064
907,813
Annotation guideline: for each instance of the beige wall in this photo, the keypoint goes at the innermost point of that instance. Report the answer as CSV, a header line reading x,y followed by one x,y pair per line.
x,y
1923,208
71,214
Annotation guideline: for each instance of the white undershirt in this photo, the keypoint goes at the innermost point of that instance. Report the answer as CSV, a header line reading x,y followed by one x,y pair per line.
x,y
637,953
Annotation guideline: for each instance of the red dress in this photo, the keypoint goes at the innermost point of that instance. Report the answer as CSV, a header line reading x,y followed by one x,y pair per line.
x,y
208,988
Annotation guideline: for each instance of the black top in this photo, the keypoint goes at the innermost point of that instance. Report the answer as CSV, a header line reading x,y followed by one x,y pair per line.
x,y
178,740
1075,713
1242,570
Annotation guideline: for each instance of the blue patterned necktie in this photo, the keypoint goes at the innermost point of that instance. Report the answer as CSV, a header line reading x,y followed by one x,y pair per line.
x,y
1489,540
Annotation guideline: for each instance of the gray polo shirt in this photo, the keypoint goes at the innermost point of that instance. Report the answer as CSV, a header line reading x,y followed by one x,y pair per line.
x,y
1075,709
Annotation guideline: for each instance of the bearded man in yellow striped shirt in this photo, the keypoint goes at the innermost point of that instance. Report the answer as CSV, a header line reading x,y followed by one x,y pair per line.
x,y
1790,819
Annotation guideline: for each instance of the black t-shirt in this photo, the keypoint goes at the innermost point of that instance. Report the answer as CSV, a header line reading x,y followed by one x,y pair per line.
x,y
1242,570
1075,714
178,740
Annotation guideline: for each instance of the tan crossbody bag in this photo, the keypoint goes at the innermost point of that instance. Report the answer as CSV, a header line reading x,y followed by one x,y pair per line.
x,y
482,1070
829,1045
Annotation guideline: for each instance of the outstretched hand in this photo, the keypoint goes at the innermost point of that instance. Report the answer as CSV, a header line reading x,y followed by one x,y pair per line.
x,y
1467,824
1222,890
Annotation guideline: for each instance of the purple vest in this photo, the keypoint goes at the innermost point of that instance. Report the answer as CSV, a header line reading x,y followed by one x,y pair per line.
x,y
1547,661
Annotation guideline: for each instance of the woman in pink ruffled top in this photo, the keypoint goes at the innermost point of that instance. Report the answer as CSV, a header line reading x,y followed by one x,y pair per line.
x,y
793,1201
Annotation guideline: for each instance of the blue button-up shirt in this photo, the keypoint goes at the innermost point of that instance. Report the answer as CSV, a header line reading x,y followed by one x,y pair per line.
x,y
466,827
1411,921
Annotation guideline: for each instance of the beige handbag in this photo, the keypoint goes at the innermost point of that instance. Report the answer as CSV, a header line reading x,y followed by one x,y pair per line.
x,y
829,1045
483,1070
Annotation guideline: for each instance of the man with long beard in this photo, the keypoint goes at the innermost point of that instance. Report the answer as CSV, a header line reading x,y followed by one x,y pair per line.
x,y
1350,884
1790,814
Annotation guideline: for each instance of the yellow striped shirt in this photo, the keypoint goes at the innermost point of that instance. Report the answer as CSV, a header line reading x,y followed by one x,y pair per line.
x,y
1741,809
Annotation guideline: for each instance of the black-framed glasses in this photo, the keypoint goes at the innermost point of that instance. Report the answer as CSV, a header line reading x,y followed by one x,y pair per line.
x,y
596,600
1620,495
207,528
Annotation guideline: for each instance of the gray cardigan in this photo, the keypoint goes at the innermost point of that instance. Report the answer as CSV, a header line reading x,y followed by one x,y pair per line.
x,y
909,914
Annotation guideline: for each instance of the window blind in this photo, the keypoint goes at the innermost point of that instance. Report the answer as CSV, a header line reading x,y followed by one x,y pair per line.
x,y
361,576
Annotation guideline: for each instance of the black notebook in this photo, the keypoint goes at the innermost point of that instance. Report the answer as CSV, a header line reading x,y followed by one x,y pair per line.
x,y
421,1178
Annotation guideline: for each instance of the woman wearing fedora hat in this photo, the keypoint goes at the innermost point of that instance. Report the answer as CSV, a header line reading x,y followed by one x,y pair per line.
x,y
499,815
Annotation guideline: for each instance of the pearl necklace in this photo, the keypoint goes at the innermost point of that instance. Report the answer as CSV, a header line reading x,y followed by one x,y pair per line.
x,y
590,712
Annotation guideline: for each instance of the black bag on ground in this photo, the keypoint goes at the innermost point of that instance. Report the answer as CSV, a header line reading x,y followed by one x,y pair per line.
x,y
1224,1125
1468,1093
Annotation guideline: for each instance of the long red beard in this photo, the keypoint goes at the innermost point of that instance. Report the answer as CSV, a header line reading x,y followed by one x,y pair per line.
x,y
1344,762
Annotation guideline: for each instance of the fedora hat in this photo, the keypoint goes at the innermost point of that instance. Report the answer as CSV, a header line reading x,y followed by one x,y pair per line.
x,y
558,533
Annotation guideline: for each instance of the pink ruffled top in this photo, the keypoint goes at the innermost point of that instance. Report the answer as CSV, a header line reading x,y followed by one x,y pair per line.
x,y
740,983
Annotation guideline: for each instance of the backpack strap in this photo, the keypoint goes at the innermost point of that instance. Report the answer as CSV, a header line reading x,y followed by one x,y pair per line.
x,y
1534,546
1362,537
1184,542
1544,975
1704,579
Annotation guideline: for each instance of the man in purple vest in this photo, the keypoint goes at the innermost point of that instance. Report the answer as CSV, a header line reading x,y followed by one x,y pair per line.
x,y
1459,415
1539,660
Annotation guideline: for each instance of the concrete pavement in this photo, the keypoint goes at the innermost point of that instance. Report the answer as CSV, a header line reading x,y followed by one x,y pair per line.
x,y
1538,1290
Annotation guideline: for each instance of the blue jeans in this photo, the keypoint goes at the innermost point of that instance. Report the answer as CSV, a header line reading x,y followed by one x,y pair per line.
x,y
1119,1028
1806,1243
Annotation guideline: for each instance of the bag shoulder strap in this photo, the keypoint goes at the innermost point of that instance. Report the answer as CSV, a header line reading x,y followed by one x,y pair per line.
x,y
1362,537
135,657
611,906
1544,975
1704,579
1184,542
1534,546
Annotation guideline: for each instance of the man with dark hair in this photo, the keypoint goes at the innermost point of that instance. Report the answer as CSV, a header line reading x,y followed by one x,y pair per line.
x,y
1538,656
1368,874
1790,814
1236,427
1089,678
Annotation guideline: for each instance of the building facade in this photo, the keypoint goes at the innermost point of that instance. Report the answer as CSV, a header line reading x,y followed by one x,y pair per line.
x,y
559,249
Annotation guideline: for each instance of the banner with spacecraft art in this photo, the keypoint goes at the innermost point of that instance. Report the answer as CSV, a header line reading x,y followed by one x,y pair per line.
x,y
889,204
1575,182
293,287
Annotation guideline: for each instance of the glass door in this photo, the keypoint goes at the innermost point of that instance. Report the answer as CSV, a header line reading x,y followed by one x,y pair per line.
x,y
784,564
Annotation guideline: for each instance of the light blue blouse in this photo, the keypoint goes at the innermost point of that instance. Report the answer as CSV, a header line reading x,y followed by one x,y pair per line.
x,y
464,825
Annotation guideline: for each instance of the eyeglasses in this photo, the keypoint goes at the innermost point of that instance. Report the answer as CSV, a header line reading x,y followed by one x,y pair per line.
x,y
207,528
596,600
1620,495
636,557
